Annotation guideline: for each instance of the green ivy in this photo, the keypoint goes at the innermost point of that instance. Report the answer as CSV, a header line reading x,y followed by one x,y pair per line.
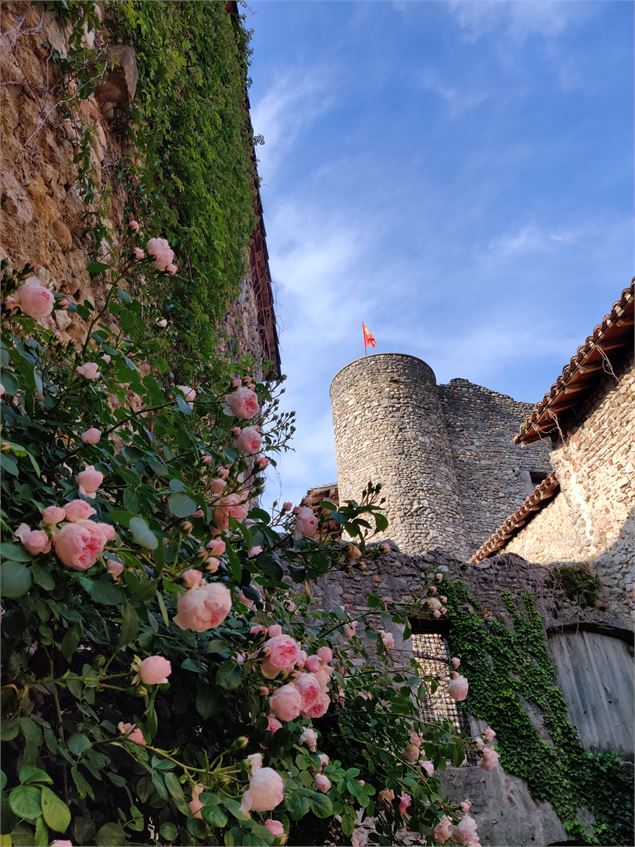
x,y
508,664
577,583
192,174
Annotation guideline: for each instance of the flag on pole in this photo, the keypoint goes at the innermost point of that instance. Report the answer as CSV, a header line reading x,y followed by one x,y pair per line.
x,y
369,338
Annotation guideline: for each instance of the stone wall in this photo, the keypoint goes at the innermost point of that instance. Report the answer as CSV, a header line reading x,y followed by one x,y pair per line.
x,y
549,536
492,473
389,428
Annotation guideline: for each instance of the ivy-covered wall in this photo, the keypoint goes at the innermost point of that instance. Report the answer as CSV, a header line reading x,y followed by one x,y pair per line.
x,y
511,674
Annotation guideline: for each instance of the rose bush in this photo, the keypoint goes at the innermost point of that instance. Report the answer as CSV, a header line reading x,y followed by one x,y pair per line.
x,y
166,669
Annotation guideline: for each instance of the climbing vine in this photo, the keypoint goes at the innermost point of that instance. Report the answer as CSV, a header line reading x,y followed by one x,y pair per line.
x,y
508,665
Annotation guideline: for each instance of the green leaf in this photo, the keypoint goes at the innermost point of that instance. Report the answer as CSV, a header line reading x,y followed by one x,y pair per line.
x,y
215,815
41,833
3,780
129,625
106,593
29,774
229,675
142,535
321,805
298,805
25,802
42,576
56,813
110,835
234,807
15,579
78,743
95,268
174,786
8,730
180,505
168,830
15,552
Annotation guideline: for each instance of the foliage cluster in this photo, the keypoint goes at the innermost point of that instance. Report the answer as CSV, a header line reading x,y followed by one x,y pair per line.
x,y
577,582
72,639
508,663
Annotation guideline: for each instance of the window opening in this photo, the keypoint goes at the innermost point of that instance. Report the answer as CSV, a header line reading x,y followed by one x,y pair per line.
x,y
538,476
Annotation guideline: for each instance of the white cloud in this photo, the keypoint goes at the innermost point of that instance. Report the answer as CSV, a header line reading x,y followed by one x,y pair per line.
x,y
529,239
518,18
456,100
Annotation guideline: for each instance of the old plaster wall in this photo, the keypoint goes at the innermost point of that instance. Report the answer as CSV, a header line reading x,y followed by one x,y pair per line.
x,y
492,473
549,536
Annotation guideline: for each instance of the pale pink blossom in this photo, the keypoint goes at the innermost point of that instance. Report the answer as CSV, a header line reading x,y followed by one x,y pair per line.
x,y
436,614
324,760
286,702
162,323
479,743
443,599
203,607
89,481
443,830
322,783
323,676
243,403
274,827
89,370
313,664
262,462
232,505
207,459
199,513
115,569
438,577
281,654
172,268
325,653
223,473
78,510
385,548
78,545
132,732
273,724
254,551
319,708
237,382
274,630
217,486
415,738
434,604
53,515
91,436
405,801
244,599
3,390
411,753
427,766
107,530
134,225
287,506
457,688
159,250
302,657
60,842
216,547
107,359
188,393
386,796
35,541
349,629
212,564
34,299
138,253
309,688
489,760
456,662
195,804
155,670
256,629
489,735
265,792
249,440
306,523
466,830
309,739
387,639
465,806
433,589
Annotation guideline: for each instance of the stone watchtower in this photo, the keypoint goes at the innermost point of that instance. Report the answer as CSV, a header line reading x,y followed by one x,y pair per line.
x,y
389,428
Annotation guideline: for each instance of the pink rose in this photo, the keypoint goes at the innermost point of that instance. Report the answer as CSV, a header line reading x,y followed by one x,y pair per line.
x,y
436,614
309,739
443,830
223,473
489,760
479,743
433,589
465,806
265,792
438,577
415,738
216,547
281,653
457,688
134,225
385,548
61,843
203,608
53,515
107,530
287,506
162,323
91,436
349,629
325,653
232,505
434,604
387,639
138,254
212,564
466,831
319,708
155,670
256,629
489,735
237,382
78,510
428,767
306,523
323,676
262,462
172,268
192,578
217,486
273,724
159,250
78,545
90,370
274,827
207,459
411,753
309,688
456,662
107,359
254,551
405,801
243,404
324,760
386,796
274,629
195,804
247,379
286,702
249,440
35,541
34,299
115,569
131,732
313,664
301,655
89,481
322,782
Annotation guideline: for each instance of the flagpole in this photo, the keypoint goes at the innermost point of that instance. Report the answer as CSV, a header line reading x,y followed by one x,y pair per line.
x,y
364,337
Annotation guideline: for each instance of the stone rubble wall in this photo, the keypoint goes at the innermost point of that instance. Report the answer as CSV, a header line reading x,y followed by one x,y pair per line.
x,y
492,472
389,429
549,535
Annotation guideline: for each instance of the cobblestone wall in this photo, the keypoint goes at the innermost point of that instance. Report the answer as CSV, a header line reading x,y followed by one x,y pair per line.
x,y
389,429
492,473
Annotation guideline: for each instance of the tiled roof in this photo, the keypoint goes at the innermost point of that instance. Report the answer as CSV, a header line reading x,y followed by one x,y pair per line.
x,y
539,497
578,379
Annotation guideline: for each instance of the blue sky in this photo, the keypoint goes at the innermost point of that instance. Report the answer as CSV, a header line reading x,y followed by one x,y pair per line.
x,y
459,175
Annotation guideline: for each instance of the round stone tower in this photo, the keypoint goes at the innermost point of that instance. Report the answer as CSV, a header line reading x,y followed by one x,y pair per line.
x,y
389,428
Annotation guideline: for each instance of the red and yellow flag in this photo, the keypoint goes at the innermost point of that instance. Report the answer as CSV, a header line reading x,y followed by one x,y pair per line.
x,y
369,338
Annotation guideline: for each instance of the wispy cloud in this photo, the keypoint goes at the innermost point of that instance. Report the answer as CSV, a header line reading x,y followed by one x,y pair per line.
x,y
517,18
456,99
529,238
